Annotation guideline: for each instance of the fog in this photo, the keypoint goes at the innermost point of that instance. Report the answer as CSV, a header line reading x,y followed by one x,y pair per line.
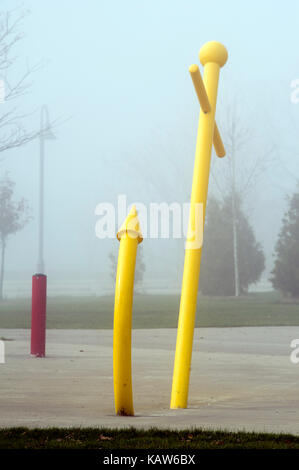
x,y
114,76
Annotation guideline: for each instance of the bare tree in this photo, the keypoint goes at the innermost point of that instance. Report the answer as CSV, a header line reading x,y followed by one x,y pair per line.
x,y
13,217
13,132
238,181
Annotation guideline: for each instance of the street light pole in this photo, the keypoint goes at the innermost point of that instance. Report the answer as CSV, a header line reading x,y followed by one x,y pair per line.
x,y
40,260
45,133
39,280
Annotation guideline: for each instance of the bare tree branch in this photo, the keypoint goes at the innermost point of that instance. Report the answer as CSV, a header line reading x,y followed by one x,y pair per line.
x,y
13,132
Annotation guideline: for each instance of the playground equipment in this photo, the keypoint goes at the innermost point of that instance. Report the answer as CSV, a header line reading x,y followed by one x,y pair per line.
x,y
212,55
129,236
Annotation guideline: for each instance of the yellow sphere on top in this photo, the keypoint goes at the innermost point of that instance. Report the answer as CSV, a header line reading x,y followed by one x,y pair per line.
x,y
213,51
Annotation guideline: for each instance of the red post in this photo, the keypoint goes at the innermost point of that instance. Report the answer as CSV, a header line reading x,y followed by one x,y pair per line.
x,y
38,315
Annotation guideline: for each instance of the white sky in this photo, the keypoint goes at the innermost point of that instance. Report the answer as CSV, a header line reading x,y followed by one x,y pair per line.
x,y
119,71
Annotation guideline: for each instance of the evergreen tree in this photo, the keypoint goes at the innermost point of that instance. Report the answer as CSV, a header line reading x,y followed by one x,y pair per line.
x,y
217,266
285,275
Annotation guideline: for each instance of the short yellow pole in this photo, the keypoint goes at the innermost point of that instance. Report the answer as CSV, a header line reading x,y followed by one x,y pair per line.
x,y
213,55
129,236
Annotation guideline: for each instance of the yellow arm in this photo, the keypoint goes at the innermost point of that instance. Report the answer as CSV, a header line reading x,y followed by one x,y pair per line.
x,y
205,106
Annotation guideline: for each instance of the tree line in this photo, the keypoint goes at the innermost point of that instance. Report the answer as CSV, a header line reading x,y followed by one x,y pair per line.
x,y
217,276
217,268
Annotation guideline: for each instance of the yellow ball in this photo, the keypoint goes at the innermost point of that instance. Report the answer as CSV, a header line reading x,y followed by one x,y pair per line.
x,y
213,51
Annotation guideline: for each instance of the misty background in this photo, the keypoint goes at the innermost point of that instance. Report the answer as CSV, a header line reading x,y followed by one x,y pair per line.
x,y
115,75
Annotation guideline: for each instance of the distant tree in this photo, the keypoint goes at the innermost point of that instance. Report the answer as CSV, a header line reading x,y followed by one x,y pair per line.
x,y
217,266
113,263
139,269
13,217
238,174
285,275
13,84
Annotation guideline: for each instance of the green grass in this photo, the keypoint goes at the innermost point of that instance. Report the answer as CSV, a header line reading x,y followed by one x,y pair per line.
x,y
155,311
103,438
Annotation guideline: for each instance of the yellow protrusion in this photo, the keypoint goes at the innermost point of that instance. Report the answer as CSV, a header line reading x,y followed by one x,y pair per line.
x,y
200,88
218,144
213,52
213,56
131,226
129,236
205,106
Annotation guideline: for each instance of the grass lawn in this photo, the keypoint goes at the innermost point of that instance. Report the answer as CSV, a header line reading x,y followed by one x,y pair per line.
x,y
101,438
155,311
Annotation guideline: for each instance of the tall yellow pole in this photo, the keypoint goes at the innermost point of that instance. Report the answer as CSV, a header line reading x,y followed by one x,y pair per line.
x,y
213,55
129,236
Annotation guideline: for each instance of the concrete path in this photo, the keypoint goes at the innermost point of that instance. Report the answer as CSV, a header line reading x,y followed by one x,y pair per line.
x,y
242,378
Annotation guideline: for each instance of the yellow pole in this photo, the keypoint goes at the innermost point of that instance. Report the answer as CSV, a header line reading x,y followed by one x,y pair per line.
x,y
213,55
129,236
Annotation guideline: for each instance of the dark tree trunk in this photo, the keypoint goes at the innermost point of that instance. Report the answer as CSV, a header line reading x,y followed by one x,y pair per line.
x,y
3,246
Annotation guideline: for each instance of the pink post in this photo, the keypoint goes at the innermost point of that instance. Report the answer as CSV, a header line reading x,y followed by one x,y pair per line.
x,y
38,315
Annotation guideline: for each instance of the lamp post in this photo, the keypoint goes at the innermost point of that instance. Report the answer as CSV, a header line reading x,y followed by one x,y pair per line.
x,y
39,280
45,134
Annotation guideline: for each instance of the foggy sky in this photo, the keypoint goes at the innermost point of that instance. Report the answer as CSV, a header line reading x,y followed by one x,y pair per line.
x,y
116,73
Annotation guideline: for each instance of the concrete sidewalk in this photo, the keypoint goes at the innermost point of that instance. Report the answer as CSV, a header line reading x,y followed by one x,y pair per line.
x,y
241,379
